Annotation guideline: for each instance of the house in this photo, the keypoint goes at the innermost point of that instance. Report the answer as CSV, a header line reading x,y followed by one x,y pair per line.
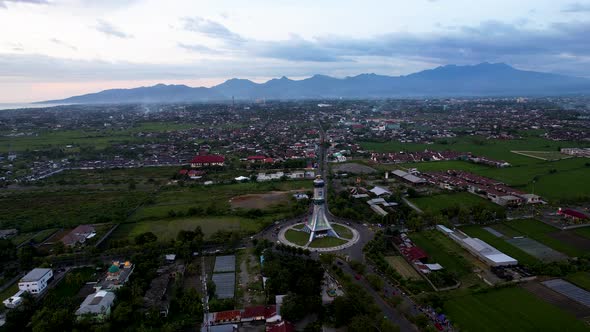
x,y
572,214
208,161
79,235
97,305
36,281
260,160
378,191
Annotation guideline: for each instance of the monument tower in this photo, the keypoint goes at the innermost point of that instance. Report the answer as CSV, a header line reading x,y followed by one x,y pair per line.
x,y
318,225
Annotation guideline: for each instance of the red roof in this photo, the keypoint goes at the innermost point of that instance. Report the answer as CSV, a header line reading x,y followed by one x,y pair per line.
x,y
574,213
256,157
183,171
208,159
416,253
224,316
280,327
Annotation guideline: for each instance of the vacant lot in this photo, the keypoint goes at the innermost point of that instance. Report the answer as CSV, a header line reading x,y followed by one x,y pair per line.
x,y
508,309
42,210
259,201
402,267
582,244
543,155
462,199
168,229
354,168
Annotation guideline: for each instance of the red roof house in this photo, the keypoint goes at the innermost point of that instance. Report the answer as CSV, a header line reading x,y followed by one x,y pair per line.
x,y
208,160
573,214
280,327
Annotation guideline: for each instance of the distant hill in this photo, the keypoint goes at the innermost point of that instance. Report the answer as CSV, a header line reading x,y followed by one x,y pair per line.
x,y
485,79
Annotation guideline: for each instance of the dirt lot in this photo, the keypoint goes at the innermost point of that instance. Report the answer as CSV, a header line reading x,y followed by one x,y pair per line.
x,y
402,267
572,239
354,168
259,201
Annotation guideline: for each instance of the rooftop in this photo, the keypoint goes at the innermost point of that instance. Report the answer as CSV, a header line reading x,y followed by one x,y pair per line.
x,y
35,275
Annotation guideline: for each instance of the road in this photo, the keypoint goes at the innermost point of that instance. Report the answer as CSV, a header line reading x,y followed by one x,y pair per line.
x,y
393,315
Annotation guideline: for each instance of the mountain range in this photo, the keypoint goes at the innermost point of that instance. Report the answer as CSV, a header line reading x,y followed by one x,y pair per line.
x,y
484,79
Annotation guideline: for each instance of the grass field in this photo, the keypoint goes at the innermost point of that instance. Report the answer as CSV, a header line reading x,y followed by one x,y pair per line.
x,y
581,279
500,244
539,231
463,199
442,250
326,242
344,232
297,237
508,309
168,229
583,231
402,267
147,176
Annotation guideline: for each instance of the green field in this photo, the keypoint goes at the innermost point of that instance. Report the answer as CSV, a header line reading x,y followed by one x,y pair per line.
x,y
215,198
143,176
342,231
168,229
442,250
298,237
583,231
100,138
496,149
544,155
31,211
500,244
508,309
326,242
555,180
581,279
463,199
563,179
539,231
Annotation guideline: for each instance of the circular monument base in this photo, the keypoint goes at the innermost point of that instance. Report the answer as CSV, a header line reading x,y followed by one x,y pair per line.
x,y
295,236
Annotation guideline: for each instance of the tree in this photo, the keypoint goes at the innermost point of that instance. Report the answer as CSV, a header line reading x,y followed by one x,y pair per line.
x,y
146,237
293,307
375,281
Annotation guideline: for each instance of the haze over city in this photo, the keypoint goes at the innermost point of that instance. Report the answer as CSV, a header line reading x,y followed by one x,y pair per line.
x,y
57,48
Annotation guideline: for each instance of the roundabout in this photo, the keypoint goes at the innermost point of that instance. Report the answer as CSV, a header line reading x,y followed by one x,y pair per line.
x,y
296,236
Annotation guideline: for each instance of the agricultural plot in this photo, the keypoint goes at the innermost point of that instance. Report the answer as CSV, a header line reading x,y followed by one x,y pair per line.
x,y
444,251
570,290
537,249
559,300
543,155
573,239
259,201
402,267
539,231
462,199
583,231
508,309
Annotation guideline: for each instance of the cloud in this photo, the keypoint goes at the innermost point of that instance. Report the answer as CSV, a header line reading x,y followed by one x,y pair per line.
x,y
211,29
62,43
577,7
36,2
110,30
198,48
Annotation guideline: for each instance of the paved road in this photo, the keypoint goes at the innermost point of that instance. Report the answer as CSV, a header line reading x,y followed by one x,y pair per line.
x,y
412,205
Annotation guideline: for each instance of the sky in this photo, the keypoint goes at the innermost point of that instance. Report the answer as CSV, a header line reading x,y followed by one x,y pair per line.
x,y
52,49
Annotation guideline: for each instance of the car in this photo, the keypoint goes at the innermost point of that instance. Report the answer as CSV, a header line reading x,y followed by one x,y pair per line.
x,y
358,277
339,262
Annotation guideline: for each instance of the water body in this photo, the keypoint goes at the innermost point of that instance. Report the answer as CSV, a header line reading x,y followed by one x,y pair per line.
x,y
25,105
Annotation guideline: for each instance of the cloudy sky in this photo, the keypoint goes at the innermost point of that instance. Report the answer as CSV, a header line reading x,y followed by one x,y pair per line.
x,y
58,48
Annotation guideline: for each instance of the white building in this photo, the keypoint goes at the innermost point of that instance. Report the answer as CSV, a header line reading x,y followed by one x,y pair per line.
x,y
36,281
